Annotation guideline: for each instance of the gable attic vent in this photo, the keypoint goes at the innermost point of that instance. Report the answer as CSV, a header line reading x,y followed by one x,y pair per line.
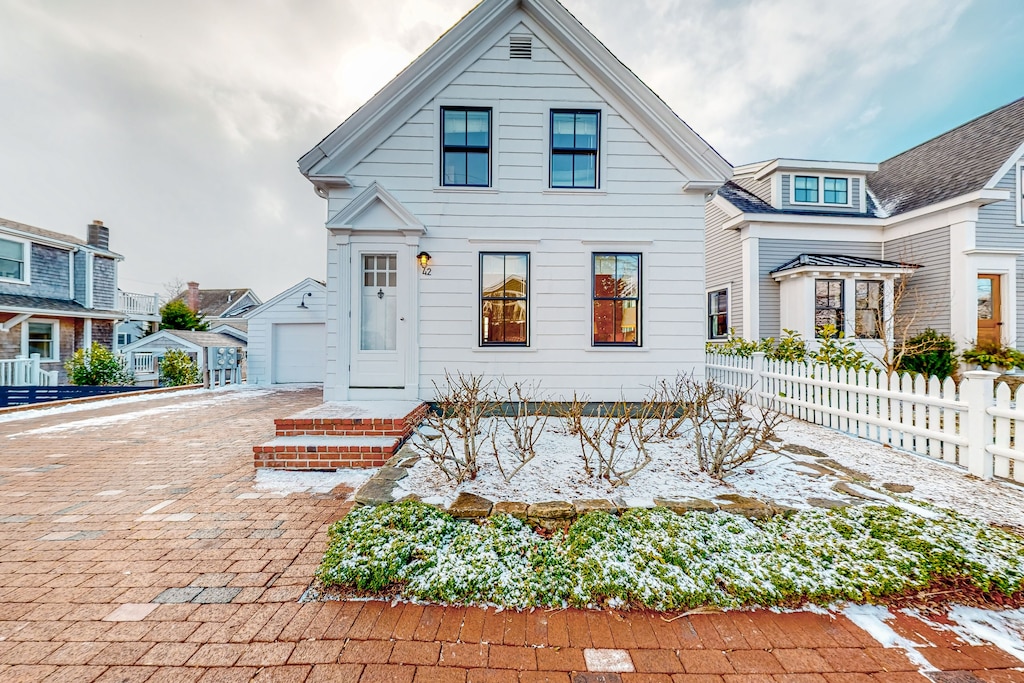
x,y
520,47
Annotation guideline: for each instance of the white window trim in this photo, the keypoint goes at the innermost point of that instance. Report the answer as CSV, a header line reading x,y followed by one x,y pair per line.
x,y
26,255
821,189
707,311
55,326
1020,193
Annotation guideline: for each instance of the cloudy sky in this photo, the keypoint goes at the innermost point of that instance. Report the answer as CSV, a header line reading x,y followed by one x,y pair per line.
x,y
179,122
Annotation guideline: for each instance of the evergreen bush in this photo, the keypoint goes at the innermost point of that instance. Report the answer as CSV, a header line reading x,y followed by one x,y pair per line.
x,y
98,366
178,369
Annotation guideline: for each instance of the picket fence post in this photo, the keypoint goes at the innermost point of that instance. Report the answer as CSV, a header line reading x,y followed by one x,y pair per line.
x,y
756,370
978,393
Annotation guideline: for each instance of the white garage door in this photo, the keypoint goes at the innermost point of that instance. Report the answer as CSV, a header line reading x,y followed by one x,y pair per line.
x,y
299,350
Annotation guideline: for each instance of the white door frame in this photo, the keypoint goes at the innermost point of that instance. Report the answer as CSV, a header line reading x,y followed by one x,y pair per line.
x,y
405,383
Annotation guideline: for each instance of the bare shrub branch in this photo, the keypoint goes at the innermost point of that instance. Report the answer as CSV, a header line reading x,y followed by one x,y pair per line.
x,y
526,416
727,430
462,402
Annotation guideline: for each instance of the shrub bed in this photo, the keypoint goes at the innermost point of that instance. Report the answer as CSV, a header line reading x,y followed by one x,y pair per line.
x,y
657,559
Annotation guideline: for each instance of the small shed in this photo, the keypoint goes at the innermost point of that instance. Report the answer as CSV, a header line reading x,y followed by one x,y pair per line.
x,y
144,355
287,336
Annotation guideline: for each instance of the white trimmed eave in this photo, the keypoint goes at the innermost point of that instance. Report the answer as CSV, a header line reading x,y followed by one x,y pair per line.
x,y
1005,168
394,103
684,147
386,109
842,271
853,167
745,219
50,313
727,207
974,199
8,325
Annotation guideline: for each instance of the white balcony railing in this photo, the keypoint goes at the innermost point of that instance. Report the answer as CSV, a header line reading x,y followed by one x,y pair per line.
x,y
138,304
25,372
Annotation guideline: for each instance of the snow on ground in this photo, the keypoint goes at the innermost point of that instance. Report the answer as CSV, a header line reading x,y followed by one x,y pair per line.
x,y
934,481
283,482
785,478
46,410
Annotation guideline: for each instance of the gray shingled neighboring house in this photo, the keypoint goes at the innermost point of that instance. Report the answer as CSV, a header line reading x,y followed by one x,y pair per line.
x,y
794,244
59,293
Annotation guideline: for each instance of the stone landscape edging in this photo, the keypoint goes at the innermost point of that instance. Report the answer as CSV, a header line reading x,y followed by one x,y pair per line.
x,y
560,514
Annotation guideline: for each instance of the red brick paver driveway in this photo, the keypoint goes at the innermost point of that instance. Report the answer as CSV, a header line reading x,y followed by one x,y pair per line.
x,y
134,547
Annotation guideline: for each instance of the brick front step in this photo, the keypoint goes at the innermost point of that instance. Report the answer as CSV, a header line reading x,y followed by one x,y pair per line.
x,y
370,418
325,452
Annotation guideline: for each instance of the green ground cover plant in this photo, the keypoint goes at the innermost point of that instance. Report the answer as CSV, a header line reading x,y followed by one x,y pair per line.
x,y
656,559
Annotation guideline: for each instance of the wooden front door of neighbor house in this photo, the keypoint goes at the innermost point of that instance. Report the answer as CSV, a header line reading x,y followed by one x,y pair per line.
x,y
990,322
378,342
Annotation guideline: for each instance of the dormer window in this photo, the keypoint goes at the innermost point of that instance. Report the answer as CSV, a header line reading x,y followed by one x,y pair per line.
x,y
814,189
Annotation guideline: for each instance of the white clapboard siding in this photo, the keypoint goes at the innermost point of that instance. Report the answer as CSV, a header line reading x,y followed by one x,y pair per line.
x,y
283,309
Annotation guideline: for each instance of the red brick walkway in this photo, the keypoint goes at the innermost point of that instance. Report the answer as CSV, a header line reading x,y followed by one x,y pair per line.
x,y
134,547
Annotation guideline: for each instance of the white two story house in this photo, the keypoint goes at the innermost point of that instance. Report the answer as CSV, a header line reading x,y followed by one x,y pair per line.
x,y
515,203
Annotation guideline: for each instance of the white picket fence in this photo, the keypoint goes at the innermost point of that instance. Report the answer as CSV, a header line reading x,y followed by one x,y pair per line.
x,y
25,372
974,425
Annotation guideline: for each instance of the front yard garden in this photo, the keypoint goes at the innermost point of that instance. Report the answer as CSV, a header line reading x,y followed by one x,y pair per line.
x,y
833,532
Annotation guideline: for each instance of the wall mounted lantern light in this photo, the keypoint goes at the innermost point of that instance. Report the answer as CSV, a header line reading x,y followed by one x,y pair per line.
x,y
423,258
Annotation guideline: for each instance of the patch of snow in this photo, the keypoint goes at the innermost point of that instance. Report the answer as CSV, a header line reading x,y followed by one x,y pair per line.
x,y
285,482
197,399
935,481
1004,629
359,409
872,618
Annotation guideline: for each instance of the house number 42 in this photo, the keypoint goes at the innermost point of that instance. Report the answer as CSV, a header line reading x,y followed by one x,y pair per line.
x,y
426,270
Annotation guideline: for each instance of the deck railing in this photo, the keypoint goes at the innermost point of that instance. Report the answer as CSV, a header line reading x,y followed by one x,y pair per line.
x,y
25,372
138,304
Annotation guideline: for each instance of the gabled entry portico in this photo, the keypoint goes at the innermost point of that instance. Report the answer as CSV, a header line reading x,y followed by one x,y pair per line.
x,y
372,318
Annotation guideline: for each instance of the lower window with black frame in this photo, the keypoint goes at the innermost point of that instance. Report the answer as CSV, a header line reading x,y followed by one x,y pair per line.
x,y
504,299
870,312
616,311
718,314
828,305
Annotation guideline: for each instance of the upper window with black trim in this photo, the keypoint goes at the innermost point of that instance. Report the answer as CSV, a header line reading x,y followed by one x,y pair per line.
x,y
12,260
718,314
504,299
812,189
616,317
466,147
574,147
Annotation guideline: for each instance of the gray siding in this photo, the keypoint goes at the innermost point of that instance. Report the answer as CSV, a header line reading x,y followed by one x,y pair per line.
x,y
926,301
786,180
724,262
774,253
759,188
997,223
49,274
103,283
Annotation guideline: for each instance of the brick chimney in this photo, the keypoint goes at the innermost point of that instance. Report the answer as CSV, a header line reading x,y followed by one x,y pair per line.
x,y
192,298
98,236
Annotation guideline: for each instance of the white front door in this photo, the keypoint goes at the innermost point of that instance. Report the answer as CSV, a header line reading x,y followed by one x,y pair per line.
x,y
378,339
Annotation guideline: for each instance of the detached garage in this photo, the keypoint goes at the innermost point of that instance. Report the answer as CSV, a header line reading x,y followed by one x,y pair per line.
x,y
287,336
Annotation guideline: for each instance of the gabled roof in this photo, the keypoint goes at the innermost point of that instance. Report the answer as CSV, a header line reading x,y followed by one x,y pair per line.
x,y
839,261
308,284
191,338
396,101
956,163
66,241
214,303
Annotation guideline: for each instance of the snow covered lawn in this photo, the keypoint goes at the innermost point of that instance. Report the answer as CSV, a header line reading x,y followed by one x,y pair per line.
x,y
790,479
655,558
